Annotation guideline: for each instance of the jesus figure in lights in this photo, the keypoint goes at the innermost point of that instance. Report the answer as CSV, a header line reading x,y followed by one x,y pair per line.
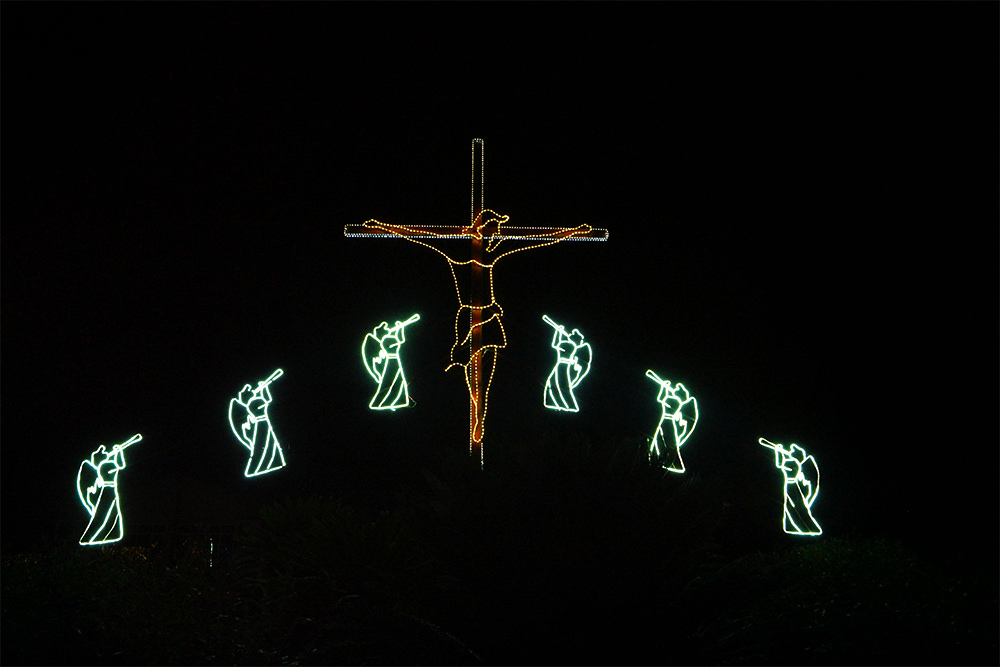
x,y
479,330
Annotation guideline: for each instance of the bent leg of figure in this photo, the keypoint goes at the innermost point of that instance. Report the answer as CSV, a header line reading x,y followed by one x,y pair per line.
x,y
479,389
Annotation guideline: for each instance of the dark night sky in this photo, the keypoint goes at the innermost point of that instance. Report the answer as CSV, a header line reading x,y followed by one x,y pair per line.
x,y
801,199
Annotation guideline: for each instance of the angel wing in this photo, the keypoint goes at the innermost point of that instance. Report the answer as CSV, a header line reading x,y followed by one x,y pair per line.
x,y
687,417
371,355
237,408
584,355
86,485
810,484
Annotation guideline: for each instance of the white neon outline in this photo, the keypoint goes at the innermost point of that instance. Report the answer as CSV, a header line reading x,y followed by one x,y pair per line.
x,y
380,354
256,433
99,474
801,488
681,410
573,359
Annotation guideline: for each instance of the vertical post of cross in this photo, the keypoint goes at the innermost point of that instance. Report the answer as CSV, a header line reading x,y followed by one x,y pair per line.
x,y
477,410
484,256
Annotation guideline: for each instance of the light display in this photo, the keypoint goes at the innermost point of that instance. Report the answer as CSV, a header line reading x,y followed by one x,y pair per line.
x,y
254,432
479,330
573,357
380,353
97,486
681,410
801,487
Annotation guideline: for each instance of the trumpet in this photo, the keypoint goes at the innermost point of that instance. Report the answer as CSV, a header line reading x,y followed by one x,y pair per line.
x,y
131,441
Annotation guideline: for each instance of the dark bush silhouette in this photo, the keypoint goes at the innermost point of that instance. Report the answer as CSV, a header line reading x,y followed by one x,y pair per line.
x,y
566,550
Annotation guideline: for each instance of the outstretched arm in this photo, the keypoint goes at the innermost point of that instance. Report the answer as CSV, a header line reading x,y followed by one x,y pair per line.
x,y
413,234
555,236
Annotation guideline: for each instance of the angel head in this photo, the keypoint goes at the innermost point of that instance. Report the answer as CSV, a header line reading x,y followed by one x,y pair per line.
x,y
99,455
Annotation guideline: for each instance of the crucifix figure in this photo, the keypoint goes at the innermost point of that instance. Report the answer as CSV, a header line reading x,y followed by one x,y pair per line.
x,y
479,328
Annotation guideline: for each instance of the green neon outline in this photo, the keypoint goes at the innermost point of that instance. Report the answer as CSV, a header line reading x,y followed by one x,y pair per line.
x,y
681,410
573,359
99,475
380,355
267,457
801,488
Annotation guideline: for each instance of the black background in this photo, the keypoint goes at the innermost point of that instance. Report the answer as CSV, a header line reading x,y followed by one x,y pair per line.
x,y
801,200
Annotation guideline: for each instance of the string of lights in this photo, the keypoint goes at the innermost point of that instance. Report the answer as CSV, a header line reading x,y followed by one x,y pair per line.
x,y
681,410
801,488
380,353
486,231
97,486
255,432
573,359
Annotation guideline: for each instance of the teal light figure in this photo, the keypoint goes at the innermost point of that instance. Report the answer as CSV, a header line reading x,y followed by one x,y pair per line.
x,y
380,354
573,358
801,487
680,409
255,432
97,486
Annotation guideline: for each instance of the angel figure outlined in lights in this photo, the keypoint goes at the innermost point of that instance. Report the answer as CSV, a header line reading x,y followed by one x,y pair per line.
x,y
801,487
380,354
573,358
681,410
255,431
97,486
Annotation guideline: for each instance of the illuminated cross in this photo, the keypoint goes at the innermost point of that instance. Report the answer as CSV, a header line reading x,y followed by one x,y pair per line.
x,y
479,333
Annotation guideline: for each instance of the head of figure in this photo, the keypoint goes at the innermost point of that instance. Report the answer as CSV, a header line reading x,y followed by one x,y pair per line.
x,y
791,462
246,393
99,455
386,335
487,224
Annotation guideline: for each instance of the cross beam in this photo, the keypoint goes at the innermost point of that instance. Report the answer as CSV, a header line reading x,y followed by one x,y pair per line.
x,y
446,232
486,231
